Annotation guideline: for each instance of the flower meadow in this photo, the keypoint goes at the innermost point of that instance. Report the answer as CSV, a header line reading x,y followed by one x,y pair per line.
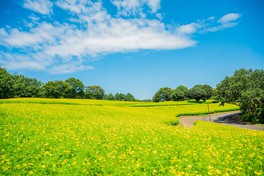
x,y
92,137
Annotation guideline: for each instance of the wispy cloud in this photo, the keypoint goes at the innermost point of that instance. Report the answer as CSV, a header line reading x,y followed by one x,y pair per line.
x,y
135,7
227,21
189,28
40,6
62,47
43,34
69,68
229,18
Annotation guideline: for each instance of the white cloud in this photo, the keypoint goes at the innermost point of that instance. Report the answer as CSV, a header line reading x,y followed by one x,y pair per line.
x,y
119,35
64,47
44,33
23,61
136,7
42,62
229,18
188,28
40,6
69,68
3,32
84,11
154,5
227,21
75,6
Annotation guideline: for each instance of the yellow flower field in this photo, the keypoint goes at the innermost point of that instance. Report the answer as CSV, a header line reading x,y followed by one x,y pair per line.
x,y
90,137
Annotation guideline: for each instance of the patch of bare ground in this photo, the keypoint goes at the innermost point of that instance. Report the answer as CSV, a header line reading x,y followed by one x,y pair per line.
x,y
226,118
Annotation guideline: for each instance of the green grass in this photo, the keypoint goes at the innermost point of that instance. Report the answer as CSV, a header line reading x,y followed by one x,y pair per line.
x,y
90,137
206,112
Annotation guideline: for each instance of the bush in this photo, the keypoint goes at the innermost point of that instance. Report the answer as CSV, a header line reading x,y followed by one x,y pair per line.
x,y
174,122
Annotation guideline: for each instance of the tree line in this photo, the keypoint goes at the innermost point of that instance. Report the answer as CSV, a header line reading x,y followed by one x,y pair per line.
x,y
198,92
14,86
244,88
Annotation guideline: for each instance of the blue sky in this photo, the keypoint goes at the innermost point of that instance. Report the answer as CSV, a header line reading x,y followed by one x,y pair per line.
x,y
135,46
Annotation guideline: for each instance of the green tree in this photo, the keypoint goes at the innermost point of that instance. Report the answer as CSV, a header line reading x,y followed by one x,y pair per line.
x,y
197,93
244,88
109,96
130,97
77,88
6,84
120,97
56,89
26,87
183,89
180,93
209,91
163,94
94,92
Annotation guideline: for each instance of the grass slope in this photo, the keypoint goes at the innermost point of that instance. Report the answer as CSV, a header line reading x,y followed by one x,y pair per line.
x,y
89,137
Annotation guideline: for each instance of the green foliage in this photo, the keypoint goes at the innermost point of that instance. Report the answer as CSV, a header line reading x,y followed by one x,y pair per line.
x,y
26,87
6,84
182,88
120,97
174,122
252,105
246,89
56,89
197,93
163,94
109,96
180,93
209,91
130,97
206,112
77,88
123,97
94,92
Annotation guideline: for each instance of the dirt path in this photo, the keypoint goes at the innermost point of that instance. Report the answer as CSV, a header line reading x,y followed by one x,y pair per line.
x,y
224,118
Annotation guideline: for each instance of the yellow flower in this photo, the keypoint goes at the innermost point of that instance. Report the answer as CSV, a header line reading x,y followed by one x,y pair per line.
x,y
258,172
218,172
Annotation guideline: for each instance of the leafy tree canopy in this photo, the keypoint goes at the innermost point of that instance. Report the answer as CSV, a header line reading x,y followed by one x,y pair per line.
x,y
56,89
94,92
244,88
77,88
130,97
180,93
163,94
6,84
120,97
199,92
26,87
182,88
109,96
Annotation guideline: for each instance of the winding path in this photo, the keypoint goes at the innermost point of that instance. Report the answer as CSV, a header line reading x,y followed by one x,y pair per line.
x,y
224,118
